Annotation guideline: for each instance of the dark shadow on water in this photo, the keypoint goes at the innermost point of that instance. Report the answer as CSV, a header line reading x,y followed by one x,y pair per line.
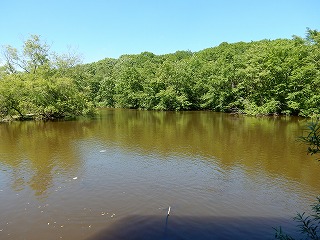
x,y
189,228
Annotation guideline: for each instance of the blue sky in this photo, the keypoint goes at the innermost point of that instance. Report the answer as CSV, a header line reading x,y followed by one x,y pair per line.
x,y
110,28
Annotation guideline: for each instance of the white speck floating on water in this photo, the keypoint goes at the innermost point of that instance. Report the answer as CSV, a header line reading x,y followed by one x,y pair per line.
x,y
169,210
75,178
103,150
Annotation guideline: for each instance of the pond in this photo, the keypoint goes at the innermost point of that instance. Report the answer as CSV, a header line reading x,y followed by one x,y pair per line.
x,y
114,177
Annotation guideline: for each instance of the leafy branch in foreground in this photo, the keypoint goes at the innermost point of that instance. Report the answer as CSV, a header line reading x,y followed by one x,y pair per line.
x,y
313,138
281,235
308,225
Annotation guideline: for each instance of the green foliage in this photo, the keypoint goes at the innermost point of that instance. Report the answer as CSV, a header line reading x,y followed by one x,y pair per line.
x,y
313,138
35,54
281,235
47,98
307,224
34,85
13,96
264,77
57,98
170,100
258,78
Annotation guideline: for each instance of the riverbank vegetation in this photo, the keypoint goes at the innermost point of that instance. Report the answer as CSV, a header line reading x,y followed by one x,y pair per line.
x,y
308,224
258,78
32,84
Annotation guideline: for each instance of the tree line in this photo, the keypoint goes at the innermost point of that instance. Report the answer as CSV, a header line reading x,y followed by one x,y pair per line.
x,y
264,77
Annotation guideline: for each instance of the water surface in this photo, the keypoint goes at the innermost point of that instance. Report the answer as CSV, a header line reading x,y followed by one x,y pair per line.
x,y
114,177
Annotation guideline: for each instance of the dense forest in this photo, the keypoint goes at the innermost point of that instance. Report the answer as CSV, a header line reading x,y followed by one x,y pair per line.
x,y
264,77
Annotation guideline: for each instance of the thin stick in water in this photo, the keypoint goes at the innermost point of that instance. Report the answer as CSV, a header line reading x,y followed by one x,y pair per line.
x,y
169,210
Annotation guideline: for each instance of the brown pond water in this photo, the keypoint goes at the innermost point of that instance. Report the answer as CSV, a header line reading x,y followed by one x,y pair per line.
x,y
114,177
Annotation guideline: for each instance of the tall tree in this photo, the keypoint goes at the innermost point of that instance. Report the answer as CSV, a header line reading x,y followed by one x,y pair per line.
x,y
35,54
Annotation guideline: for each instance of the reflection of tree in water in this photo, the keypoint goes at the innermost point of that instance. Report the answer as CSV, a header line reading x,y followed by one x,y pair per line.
x,y
38,151
42,149
267,143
